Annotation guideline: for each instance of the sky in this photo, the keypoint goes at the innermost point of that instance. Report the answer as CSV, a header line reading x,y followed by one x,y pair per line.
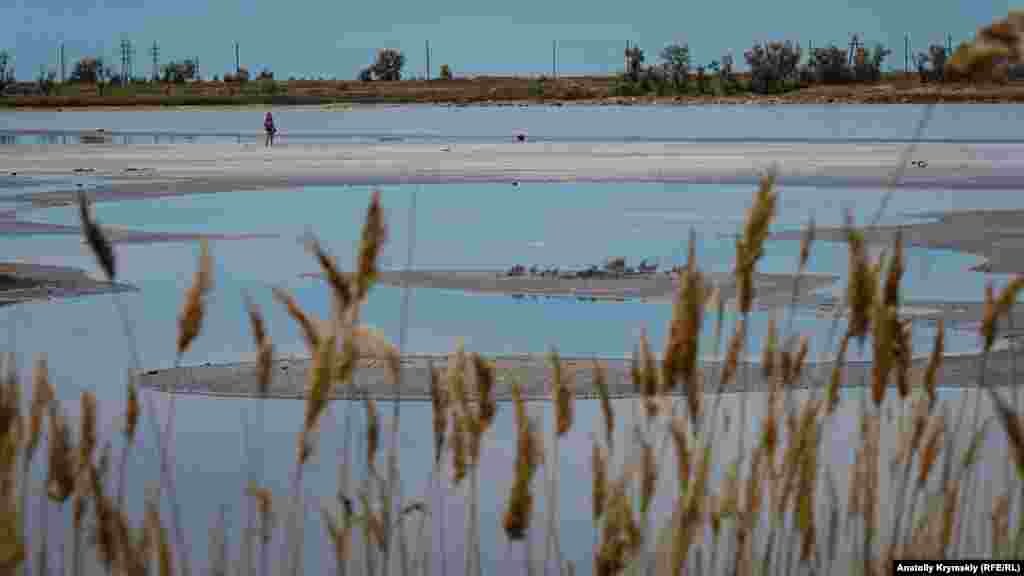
x,y
336,38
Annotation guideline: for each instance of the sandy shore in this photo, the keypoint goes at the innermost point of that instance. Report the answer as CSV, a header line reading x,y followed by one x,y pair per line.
x,y
995,235
533,374
173,169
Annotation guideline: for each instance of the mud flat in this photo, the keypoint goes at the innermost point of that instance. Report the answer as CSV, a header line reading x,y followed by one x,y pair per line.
x,y
772,289
147,170
533,372
997,236
25,282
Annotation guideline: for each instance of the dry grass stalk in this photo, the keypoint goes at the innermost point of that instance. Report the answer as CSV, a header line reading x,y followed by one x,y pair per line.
x,y
681,351
264,509
861,288
1012,425
131,411
340,283
884,337
935,362
621,538
750,247
309,329
61,481
950,508
997,307
648,475
340,535
373,238
1000,523
894,275
690,513
520,503
264,347
732,356
836,380
12,548
190,319
793,362
96,240
458,444
488,406
158,533
805,244
989,55
457,377
683,456
87,428
601,383
599,492
645,368
43,396
316,394
768,351
439,403
932,447
372,432
561,394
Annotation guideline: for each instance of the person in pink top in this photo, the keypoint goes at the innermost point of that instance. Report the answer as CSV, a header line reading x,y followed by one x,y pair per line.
x,y
268,126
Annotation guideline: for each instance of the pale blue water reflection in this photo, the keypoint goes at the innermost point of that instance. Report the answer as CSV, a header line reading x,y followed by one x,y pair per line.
x,y
413,123
485,226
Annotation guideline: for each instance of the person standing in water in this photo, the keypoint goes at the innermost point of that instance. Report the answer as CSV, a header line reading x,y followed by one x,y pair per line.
x,y
268,126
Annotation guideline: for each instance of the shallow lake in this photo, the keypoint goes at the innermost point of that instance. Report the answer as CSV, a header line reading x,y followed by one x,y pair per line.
x,y
463,226
971,122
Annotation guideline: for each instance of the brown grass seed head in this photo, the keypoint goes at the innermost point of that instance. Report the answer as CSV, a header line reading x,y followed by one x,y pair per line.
x,y
599,469
373,239
601,383
97,241
264,347
190,319
309,330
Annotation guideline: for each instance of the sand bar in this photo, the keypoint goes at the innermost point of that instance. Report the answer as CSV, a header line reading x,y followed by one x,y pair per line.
x,y
174,169
24,282
532,371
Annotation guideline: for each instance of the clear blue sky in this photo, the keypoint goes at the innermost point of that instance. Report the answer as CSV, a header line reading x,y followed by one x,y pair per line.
x,y
336,38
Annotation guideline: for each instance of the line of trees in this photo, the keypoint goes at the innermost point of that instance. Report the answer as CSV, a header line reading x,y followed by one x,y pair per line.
x,y
387,67
775,67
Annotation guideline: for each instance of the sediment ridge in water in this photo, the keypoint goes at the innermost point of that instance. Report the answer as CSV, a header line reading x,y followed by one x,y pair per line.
x,y
772,289
24,282
533,372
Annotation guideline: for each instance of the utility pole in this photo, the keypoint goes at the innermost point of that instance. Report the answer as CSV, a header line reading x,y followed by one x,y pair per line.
x,y
197,76
428,59
949,44
154,51
131,63
906,53
61,62
554,51
124,61
238,65
854,45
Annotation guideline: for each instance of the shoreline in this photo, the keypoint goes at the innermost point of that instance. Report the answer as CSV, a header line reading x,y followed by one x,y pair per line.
x,y
500,91
160,170
20,283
